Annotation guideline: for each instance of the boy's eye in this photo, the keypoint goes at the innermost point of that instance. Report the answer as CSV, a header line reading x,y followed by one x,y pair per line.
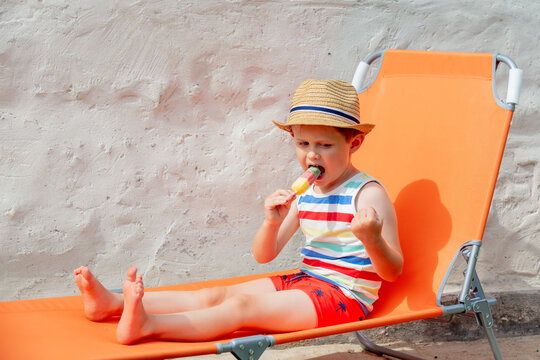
x,y
326,145
303,143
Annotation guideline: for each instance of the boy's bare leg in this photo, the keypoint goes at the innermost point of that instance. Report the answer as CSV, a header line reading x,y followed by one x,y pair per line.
x,y
269,311
167,302
100,303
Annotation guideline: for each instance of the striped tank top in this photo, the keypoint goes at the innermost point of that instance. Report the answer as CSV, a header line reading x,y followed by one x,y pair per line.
x,y
332,252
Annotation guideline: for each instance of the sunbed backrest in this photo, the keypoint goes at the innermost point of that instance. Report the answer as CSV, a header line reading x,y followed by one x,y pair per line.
x,y
437,145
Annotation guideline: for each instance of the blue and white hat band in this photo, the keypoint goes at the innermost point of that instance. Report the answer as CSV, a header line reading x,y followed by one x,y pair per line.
x,y
327,110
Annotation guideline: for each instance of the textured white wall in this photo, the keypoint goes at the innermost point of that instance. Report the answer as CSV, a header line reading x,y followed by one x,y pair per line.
x,y
138,132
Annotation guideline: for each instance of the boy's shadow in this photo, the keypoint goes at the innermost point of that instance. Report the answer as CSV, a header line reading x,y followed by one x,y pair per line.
x,y
424,226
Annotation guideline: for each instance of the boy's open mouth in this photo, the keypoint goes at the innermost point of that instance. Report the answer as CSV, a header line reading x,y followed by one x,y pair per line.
x,y
321,170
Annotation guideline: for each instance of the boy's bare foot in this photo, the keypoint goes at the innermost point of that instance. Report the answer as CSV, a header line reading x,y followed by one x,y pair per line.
x,y
99,303
134,324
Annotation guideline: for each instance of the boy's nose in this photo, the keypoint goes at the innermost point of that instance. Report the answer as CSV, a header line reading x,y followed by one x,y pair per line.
x,y
313,155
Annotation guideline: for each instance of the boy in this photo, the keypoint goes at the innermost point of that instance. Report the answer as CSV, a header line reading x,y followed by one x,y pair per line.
x,y
351,244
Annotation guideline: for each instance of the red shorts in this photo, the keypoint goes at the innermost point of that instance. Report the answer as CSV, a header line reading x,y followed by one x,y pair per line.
x,y
331,304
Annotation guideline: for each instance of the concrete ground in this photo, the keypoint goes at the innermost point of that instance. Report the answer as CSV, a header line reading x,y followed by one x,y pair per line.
x,y
519,348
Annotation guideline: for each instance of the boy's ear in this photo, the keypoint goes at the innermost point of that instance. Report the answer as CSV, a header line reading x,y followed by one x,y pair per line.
x,y
357,142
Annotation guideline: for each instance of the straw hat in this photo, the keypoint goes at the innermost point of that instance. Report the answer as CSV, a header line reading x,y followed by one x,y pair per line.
x,y
325,102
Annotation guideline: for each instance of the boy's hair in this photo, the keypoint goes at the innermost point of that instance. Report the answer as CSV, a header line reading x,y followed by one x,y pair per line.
x,y
348,132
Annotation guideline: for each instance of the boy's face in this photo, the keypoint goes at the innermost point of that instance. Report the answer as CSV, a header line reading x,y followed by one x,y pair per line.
x,y
328,149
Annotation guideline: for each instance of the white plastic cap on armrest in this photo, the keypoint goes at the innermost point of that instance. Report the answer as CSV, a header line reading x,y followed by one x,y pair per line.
x,y
360,75
515,78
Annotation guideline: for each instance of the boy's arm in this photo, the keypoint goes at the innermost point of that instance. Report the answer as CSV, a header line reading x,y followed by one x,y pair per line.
x,y
280,224
375,224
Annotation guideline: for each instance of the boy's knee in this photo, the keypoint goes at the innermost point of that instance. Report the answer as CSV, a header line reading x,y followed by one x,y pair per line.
x,y
244,303
218,295
213,296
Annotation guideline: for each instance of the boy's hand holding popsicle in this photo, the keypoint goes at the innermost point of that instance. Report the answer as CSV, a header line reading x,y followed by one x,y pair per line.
x,y
277,205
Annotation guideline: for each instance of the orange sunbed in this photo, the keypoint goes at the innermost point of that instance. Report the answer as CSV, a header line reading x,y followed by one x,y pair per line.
x,y
440,136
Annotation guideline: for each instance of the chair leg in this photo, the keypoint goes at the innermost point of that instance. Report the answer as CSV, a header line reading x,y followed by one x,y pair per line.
x,y
484,318
474,299
493,343
368,345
